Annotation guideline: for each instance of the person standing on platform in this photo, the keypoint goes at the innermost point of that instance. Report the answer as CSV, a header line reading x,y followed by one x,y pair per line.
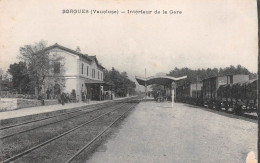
x,y
87,97
62,98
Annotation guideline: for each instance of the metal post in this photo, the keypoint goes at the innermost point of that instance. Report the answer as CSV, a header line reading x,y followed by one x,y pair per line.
x,y
173,91
145,89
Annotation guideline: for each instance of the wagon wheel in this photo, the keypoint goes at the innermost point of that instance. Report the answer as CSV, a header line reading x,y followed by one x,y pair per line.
x,y
233,108
218,106
209,105
238,109
214,106
226,106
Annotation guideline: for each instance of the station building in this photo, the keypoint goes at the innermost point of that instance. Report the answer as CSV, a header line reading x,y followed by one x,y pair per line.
x,y
82,74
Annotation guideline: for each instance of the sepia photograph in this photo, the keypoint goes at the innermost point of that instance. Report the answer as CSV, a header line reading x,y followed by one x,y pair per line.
x,y
94,81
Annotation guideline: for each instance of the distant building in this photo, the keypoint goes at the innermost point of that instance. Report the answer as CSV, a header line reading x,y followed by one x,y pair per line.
x,y
190,90
195,89
83,74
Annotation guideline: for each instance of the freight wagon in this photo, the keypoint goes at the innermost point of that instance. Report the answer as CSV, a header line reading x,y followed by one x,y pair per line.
x,y
211,85
233,93
239,97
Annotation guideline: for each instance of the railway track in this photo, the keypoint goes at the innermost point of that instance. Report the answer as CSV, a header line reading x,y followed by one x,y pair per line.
x,y
81,112
74,156
35,146
75,110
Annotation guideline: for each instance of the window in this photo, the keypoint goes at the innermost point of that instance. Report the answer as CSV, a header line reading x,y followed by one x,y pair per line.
x,y
82,68
87,70
101,76
56,67
98,74
94,73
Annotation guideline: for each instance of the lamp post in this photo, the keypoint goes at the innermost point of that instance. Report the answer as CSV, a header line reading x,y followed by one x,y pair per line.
x,y
173,91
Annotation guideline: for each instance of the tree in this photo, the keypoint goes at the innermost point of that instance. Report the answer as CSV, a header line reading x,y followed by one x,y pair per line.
x,y
200,74
41,65
20,77
123,84
1,73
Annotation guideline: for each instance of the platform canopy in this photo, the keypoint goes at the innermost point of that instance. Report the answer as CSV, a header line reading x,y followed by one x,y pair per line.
x,y
158,79
91,81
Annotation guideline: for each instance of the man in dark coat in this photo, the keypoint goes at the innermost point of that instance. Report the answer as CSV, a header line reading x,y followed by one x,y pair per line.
x,y
63,98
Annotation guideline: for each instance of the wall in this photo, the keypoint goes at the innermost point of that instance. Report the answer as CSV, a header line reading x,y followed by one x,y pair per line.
x,y
70,61
70,84
14,103
81,82
90,66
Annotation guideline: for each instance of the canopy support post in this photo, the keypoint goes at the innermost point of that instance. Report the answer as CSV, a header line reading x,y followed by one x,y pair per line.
x,y
173,91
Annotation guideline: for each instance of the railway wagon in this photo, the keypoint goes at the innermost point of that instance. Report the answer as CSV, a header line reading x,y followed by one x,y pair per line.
x,y
239,97
211,85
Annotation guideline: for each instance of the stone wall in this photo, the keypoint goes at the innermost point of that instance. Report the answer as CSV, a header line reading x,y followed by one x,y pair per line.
x,y
16,103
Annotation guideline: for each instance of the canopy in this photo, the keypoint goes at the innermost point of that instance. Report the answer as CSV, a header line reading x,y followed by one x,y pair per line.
x,y
91,81
158,79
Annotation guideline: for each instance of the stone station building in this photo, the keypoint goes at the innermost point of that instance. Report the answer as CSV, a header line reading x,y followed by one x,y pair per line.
x,y
83,74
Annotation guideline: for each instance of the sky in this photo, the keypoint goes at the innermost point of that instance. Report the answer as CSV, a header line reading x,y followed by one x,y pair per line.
x,y
208,33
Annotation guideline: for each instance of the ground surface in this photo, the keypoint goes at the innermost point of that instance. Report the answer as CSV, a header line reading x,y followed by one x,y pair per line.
x,y
156,132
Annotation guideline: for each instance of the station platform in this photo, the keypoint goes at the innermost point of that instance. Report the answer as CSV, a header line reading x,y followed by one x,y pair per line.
x,y
162,133
47,109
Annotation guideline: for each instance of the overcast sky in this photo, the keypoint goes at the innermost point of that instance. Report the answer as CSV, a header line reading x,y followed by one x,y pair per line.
x,y
207,33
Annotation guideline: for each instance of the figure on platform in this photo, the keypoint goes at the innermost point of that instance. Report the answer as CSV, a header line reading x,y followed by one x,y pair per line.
x,y
48,92
88,97
83,96
62,98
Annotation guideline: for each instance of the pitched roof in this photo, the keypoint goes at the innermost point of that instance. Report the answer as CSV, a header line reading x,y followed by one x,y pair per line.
x,y
94,58
85,56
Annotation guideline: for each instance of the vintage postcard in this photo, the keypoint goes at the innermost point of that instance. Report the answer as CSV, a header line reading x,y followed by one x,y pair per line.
x,y
137,81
